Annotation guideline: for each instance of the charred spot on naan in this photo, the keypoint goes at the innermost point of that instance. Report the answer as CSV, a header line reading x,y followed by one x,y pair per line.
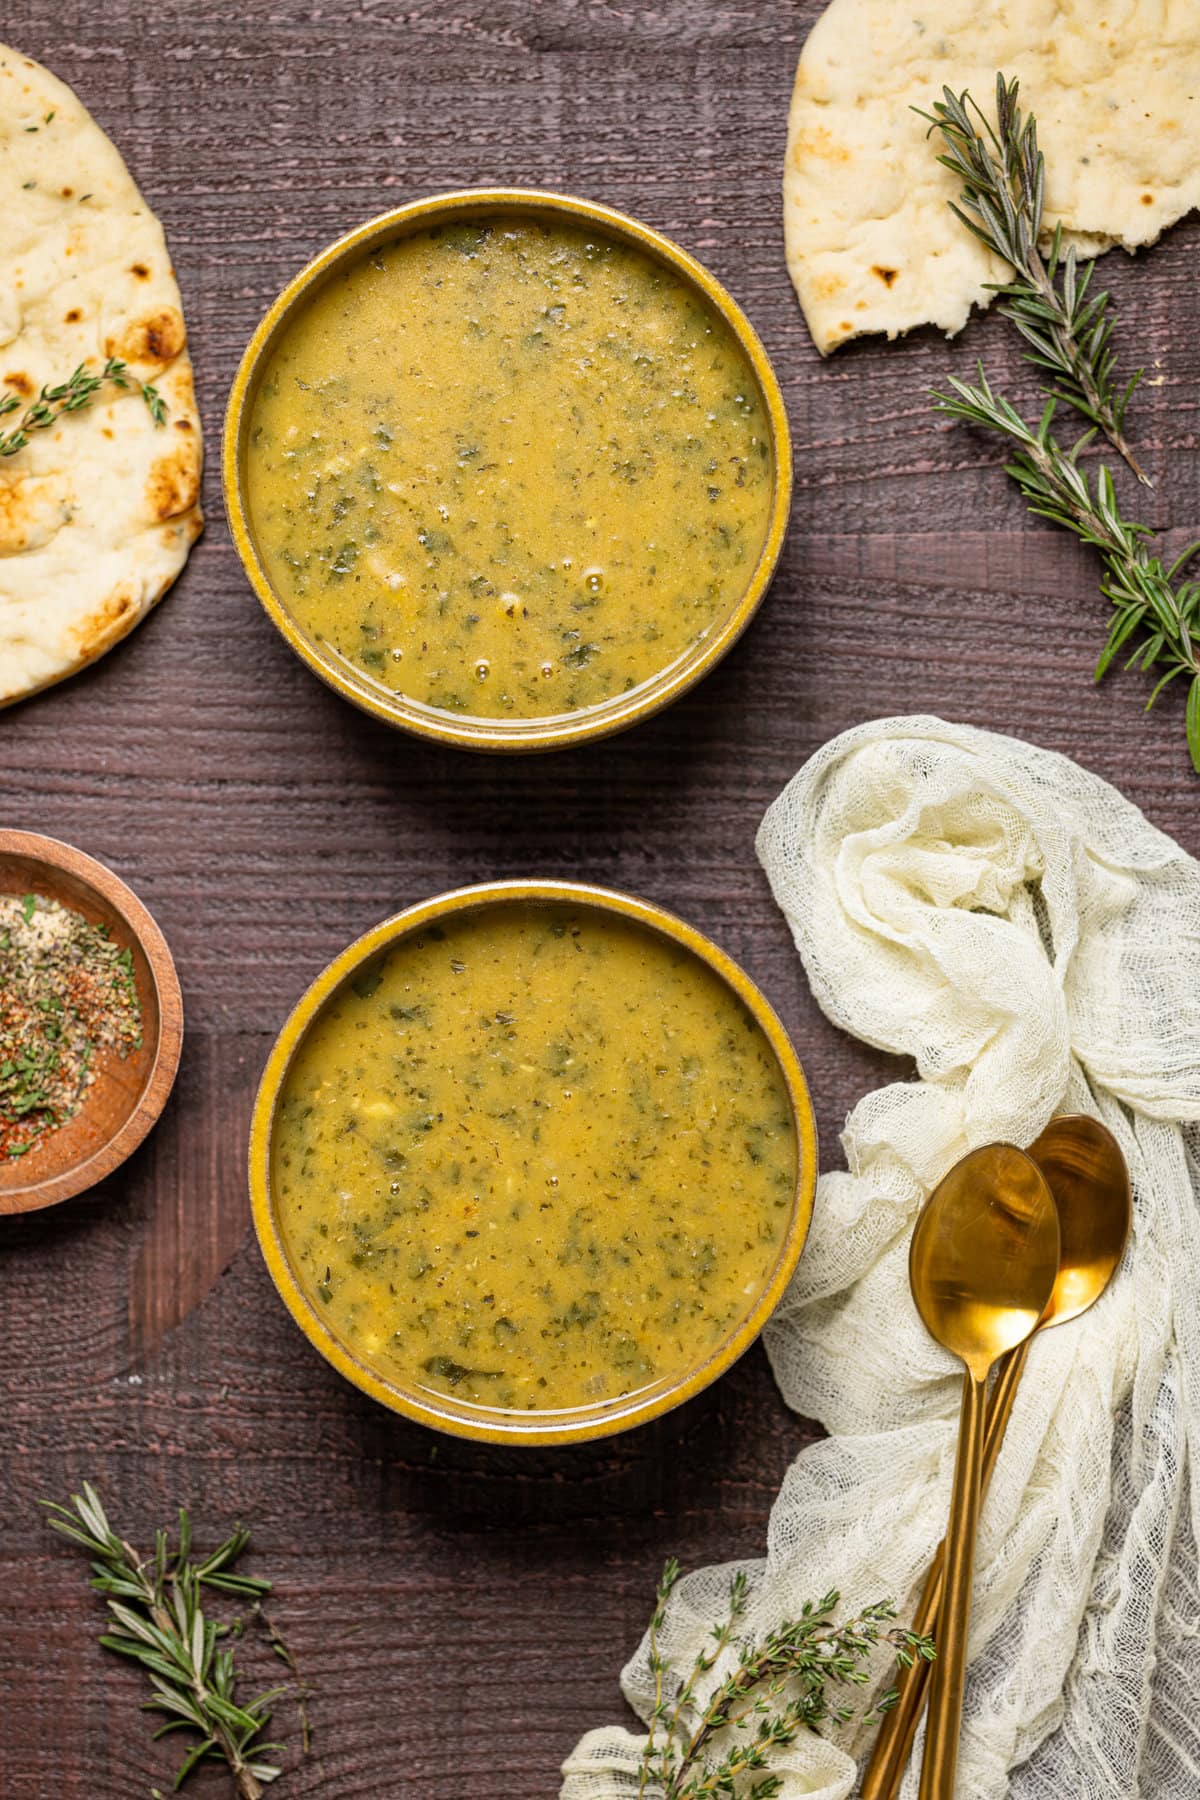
x,y
173,484
184,529
155,339
33,509
113,619
819,142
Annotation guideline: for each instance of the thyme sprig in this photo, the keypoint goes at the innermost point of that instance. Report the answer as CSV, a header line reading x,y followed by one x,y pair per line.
x,y
72,395
1069,335
776,1690
1003,175
156,1617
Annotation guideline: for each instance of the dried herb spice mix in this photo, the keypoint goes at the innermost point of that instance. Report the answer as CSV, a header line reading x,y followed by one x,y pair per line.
x,y
66,993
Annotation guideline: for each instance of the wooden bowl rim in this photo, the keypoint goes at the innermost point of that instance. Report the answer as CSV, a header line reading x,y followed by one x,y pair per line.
x,y
160,1078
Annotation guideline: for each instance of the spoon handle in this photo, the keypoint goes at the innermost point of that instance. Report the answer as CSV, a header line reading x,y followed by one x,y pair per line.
x,y
893,1745
949,1670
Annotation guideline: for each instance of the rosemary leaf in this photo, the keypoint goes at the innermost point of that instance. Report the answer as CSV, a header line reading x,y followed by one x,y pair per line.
x,y
156,1618
1068,335
1156,608
1193,721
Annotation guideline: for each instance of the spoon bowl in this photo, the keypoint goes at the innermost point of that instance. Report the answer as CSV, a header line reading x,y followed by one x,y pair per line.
x,y
983,1264
1083,1164
985,1255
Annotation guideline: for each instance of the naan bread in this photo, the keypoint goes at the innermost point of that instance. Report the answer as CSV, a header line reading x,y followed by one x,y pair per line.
x,y
97,514
871,243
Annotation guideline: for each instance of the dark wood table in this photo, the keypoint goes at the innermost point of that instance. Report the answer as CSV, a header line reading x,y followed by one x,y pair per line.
x,y
461,1612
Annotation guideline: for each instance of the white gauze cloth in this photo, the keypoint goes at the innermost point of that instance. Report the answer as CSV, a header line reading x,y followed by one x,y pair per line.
x,y
1015,927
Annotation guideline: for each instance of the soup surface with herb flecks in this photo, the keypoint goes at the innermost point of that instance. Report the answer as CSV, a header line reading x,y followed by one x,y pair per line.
x,y
509,469
534,1157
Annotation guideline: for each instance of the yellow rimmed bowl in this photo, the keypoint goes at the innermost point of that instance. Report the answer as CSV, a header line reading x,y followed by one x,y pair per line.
x,y
460,1417
492,734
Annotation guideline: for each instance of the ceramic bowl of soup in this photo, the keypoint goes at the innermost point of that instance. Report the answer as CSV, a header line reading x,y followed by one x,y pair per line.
x,y
532,1163
507,469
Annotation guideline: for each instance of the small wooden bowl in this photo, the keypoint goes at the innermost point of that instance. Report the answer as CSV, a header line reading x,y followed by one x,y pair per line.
x,y
128,1094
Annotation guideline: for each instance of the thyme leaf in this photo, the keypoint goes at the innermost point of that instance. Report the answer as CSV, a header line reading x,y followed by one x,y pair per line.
x,y
72,395
709,1748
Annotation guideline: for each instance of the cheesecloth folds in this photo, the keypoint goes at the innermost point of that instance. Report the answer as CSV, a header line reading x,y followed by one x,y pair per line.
x,y
1017,928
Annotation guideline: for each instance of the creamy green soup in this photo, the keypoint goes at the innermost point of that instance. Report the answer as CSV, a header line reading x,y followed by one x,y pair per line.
x,y
509,469
535,1158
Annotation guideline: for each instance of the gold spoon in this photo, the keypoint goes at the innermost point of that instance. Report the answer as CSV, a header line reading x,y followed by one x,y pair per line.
x,y
1087,1176
982,1266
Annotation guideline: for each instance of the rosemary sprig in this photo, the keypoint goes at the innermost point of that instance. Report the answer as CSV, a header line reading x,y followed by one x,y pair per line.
x,y
72,395
287,1656
156,1617
776,1690
1145,593
1071,338
1004,181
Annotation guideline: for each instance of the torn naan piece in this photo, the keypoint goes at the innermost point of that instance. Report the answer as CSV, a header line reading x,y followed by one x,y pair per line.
x,y
97,512
872,245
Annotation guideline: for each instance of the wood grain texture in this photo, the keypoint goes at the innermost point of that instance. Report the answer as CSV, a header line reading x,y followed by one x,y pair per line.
x,y
464,1612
